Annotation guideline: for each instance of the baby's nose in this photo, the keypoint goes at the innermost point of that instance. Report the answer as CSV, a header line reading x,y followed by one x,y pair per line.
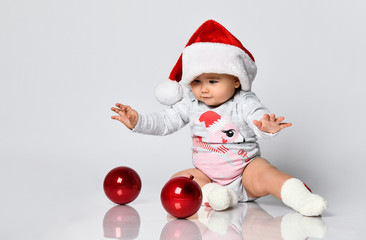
x,y
204,88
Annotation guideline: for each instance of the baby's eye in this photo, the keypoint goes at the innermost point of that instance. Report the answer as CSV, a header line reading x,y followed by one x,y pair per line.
x,y
213,81
196,81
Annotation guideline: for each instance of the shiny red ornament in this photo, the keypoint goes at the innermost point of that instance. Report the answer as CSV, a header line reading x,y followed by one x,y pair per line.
x,y
181,197
122,185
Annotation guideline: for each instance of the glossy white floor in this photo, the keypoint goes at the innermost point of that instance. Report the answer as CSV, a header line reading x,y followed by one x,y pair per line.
x,y
75,207
258,220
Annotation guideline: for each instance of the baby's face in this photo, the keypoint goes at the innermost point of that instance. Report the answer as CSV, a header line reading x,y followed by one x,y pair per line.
x,y
214,89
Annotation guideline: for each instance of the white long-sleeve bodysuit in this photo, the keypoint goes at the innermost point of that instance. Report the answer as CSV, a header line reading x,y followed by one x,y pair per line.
x,y
224,138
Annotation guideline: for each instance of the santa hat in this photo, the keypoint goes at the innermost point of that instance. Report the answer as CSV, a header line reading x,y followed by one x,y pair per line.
x,y
213,121
211,49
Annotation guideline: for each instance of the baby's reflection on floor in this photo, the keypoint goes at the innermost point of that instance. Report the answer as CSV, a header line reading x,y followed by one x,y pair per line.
x,y
245,221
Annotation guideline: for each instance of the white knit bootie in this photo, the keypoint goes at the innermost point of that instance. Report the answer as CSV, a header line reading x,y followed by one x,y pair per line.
x,y
294,194
218,197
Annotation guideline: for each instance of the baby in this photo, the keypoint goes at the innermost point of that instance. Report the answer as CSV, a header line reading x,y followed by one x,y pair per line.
x,y
226,118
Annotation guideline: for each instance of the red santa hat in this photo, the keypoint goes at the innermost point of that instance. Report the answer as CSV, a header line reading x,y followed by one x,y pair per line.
x,y
211,49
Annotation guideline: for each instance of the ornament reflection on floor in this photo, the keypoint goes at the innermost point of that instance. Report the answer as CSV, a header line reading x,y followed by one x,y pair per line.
x,y
121,222
246,220
182,229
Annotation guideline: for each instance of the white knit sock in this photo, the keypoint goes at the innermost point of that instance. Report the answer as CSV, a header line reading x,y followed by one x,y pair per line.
x,y
295,226
218,197
294,194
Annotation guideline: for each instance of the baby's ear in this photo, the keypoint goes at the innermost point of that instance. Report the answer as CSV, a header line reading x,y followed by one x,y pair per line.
x,y
237,82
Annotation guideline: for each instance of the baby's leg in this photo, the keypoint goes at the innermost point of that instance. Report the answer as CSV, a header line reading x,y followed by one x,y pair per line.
x,y
197,174
260,178
214,195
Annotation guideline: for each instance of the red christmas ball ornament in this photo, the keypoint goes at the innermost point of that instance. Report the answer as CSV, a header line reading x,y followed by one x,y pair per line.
x,y
122,185
181,197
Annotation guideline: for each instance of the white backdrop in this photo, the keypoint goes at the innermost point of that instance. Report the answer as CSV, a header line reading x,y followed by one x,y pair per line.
x,y
63,64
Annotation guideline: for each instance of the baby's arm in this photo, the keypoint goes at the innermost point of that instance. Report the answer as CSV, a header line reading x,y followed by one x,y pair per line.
x,y
271,124
256,115
159,123
126,115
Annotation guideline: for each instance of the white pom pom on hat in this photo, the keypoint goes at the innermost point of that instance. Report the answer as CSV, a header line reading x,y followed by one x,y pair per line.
x,y
211,49
169,92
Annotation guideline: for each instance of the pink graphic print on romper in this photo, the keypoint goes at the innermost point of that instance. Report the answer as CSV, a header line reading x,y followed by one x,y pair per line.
x,y
212,156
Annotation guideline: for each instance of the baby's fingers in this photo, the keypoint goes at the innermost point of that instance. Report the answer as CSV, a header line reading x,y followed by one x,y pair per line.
x,y
280,119
117,110
258,124
272,117
266,117
121,106
118,118
285,125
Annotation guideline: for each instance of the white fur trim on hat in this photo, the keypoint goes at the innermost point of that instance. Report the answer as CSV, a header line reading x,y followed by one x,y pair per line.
x,y
169,92
206,57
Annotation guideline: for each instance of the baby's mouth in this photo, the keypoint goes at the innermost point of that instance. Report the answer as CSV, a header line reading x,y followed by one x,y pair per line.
x,y
205,97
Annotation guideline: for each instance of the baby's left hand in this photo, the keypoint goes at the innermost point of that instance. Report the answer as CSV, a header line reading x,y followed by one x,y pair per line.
x,y
271,124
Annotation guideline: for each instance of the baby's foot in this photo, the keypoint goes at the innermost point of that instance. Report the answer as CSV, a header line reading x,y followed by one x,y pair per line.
x,y
313,205
218,197
294,194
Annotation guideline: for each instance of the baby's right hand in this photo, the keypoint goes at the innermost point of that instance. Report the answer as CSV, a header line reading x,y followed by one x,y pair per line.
x,y
126,115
